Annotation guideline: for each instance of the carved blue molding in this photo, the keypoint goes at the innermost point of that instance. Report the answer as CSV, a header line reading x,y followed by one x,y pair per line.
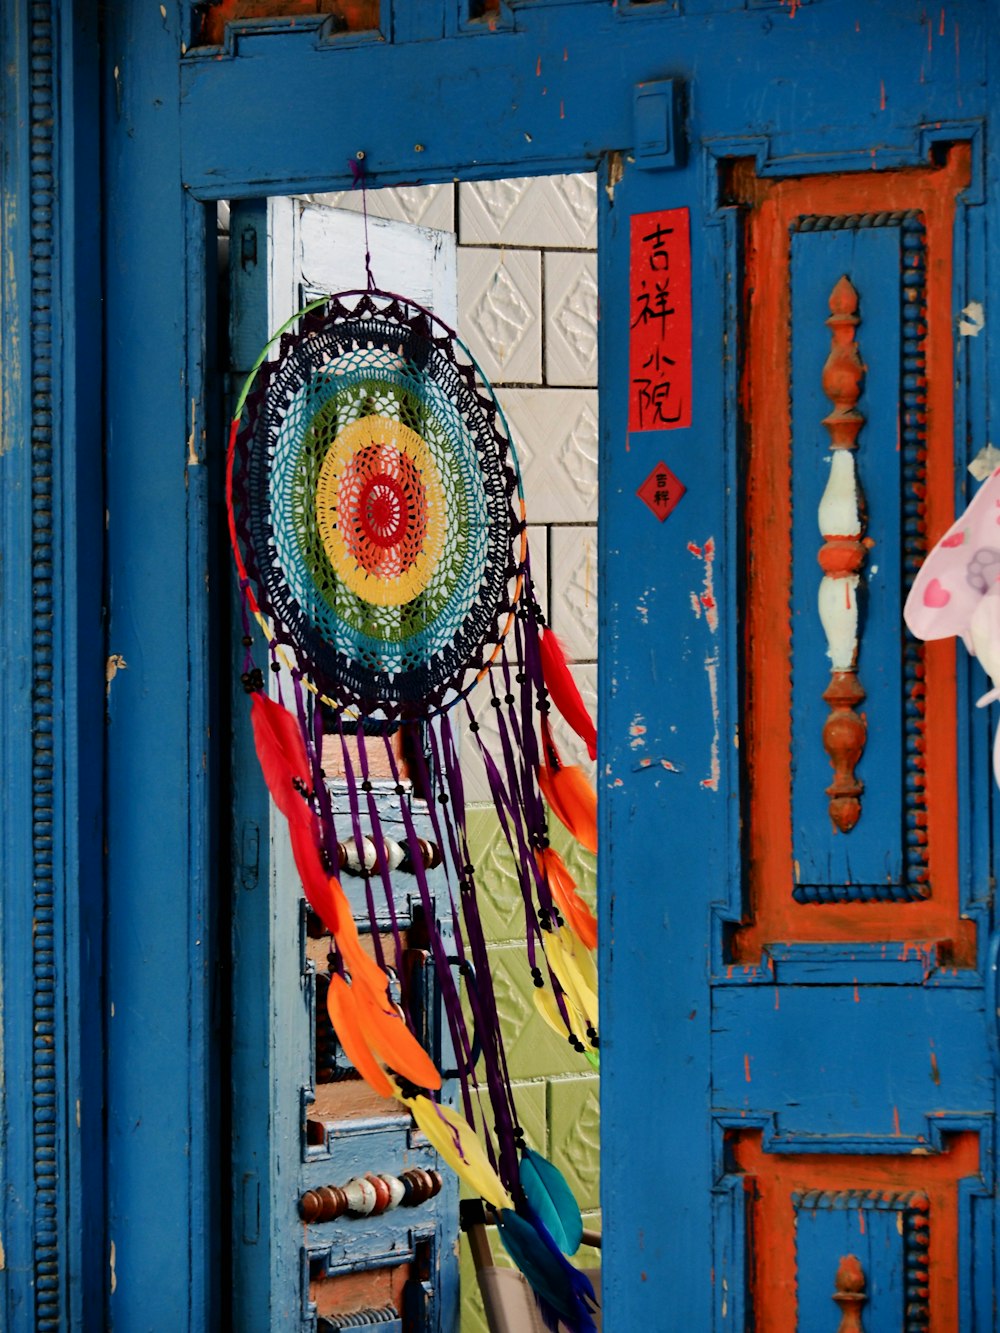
x,y
48,1272
50,536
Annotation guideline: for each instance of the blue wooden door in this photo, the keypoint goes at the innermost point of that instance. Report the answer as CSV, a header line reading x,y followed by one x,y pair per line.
x,y
798,1034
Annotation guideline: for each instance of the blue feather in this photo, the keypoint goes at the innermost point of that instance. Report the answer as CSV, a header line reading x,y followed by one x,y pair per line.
x,y
556,1283
552,1199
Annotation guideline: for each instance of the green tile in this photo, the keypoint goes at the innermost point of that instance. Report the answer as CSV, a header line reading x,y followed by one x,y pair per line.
x,y
533,1049
498,893
574,1135
531,1101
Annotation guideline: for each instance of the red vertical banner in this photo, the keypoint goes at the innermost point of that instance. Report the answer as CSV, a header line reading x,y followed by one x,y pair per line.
x,y
660,321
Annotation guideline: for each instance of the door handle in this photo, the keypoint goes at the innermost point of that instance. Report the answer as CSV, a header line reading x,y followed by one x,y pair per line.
x,y
476,1046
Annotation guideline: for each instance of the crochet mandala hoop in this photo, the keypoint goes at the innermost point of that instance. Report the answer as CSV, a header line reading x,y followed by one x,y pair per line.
x,y
375,506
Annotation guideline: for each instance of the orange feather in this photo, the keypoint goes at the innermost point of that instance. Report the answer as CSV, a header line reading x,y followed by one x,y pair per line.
x,y
341,1004
564,692
360,964
563,889
570,796
391,1040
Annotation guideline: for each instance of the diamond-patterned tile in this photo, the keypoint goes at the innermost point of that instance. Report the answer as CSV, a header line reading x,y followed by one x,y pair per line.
x,y
571,319
538,552
575,1135
533,1049
541,210
573,602
532,1103
474,780
555,433
499,295
428,205
581,863
501,907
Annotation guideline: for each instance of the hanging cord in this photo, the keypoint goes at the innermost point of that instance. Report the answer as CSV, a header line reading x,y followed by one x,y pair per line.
x,y
357,165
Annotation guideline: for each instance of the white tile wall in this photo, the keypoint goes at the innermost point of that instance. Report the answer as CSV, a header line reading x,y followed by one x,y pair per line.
x,y
540,211
555,433
500,295
571,318
538,552
573,597
428,205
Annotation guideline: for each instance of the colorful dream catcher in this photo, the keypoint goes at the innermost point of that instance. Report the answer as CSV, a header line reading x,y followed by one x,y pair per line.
x,y
957,590
378,526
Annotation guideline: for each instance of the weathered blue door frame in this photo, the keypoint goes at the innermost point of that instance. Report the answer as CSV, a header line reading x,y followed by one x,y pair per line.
x,y
280,112
52,677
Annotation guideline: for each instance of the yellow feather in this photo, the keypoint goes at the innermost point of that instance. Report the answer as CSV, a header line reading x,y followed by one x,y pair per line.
x,y
456,1142
585,958
569,976
545,1003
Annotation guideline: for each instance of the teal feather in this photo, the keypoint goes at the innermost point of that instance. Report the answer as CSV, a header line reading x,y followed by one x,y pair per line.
x,y
552,1199
561,1289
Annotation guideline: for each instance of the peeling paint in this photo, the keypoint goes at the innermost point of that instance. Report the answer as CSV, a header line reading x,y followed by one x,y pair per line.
x,y
985,462
616,170
714,771
114,1275
973,321
112,666
704,605
649,764
192,458
637,732
707,603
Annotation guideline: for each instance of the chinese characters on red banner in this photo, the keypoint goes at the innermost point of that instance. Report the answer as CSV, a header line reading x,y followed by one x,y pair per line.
x,y
660,321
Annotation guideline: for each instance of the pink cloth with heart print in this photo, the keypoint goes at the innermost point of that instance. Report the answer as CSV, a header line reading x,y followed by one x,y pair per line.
x,y
957,590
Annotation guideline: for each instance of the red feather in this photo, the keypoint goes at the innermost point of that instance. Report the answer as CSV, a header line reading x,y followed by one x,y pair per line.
x,y
315,880
564,692
563,889
570,796
282,756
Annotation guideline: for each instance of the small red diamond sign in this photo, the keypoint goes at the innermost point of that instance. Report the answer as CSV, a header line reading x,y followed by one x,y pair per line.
x,y
661,491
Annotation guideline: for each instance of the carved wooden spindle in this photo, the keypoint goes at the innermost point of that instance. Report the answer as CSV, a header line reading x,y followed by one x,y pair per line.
x,y
841,523
849,1293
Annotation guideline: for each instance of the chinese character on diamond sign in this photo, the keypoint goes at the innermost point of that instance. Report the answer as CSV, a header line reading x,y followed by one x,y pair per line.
x,y
662,491
660,321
